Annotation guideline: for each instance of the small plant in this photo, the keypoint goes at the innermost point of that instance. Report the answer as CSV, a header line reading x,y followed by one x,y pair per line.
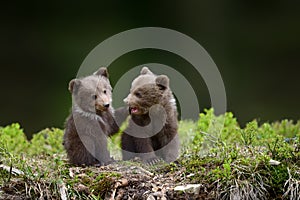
x,y
5,157
249,133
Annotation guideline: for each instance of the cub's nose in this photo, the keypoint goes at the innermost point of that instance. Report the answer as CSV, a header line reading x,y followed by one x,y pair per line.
x,y
106,105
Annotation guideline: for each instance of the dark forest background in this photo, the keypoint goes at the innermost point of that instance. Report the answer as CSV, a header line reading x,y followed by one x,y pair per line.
x,y
255,44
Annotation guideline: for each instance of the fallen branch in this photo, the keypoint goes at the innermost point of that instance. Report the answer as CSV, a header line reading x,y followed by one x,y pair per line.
x,y
12,170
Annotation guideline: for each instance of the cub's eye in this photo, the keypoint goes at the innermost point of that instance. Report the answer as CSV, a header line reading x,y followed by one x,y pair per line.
x,y
138,94
94,97
104,91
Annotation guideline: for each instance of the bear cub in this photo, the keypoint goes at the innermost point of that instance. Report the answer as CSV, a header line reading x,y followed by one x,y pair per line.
x,y
91,120
152,130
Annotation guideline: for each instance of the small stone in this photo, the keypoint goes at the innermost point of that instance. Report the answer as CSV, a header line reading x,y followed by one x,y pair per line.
x,y
189,188
274,162
124,182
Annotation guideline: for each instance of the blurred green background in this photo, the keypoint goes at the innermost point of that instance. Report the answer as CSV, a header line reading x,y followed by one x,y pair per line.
x,y
255,44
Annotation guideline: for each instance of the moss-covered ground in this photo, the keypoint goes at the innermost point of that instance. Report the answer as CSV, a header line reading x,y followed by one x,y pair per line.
x,y
224,160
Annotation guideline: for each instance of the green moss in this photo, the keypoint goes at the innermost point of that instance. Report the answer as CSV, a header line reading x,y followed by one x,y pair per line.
x,y
103,183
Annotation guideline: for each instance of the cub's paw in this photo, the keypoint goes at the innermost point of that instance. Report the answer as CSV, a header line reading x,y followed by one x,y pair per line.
x,y
153,161
99,164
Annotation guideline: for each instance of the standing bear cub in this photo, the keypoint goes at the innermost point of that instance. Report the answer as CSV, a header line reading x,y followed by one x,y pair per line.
x,y
152,130
91,120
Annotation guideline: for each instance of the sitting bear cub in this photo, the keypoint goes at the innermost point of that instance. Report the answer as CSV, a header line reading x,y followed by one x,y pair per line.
x,y
152,130
91,120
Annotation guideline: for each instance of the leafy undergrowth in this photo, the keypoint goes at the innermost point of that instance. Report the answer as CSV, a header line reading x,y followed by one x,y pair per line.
x,y
219,160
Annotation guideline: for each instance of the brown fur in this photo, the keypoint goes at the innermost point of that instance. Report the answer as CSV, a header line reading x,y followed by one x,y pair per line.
x,y
146,91
91,120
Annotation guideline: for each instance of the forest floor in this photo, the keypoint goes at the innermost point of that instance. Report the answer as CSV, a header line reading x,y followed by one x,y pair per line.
x,y
259,161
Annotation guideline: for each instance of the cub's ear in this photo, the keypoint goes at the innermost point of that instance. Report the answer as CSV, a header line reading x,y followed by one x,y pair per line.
x,y
102,72
73,85
162,82
145,70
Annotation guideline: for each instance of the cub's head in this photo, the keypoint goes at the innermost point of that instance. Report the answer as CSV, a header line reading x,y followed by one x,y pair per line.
x,y
147,90
92,93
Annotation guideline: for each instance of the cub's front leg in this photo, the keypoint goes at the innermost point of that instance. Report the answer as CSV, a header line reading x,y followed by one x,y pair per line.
x,y
145,149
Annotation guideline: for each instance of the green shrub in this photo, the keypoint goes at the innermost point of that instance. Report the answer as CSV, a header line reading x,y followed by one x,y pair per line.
x,y
13,139
47,141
